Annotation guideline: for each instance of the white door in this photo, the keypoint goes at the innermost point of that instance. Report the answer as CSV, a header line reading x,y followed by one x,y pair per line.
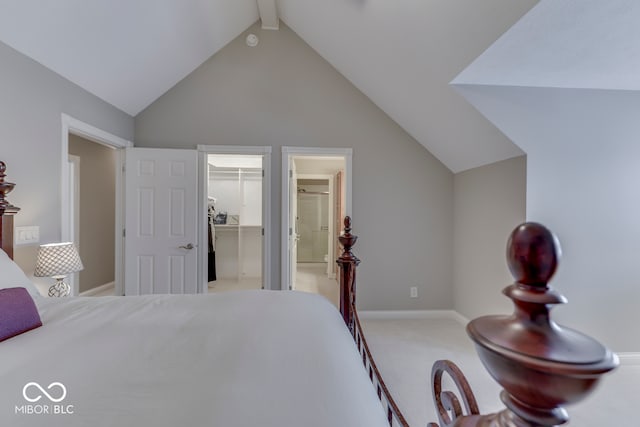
x,y
74,215
293,223
160,221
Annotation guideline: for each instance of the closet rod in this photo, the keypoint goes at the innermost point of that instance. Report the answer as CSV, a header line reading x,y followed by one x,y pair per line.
x,y
236,171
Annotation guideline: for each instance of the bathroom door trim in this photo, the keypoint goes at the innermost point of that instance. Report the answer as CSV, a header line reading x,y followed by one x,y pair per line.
x,y
203,176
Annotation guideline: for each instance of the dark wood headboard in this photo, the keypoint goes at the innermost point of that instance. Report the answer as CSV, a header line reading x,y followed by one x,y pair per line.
x,y
7,211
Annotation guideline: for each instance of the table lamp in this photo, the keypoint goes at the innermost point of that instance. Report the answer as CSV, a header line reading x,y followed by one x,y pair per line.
x,y
57,260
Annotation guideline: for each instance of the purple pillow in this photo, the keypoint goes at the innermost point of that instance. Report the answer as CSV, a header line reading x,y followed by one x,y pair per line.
x,y
18,313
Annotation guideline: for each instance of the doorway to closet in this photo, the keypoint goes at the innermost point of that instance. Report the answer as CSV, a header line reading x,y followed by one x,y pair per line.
x,y
235,209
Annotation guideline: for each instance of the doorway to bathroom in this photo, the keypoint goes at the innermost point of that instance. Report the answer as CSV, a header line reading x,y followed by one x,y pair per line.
x,y
316,196
315,202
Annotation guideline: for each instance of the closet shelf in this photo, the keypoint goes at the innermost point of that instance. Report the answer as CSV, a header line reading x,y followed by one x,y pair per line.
x,y
234,226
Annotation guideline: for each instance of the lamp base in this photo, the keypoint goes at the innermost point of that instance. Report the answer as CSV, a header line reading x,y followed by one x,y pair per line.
x,y
59,289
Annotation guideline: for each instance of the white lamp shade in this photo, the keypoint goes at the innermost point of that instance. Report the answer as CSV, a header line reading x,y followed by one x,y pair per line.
x,y
57,259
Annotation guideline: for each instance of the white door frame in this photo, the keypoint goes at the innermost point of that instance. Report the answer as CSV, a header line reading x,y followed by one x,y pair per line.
x,y
92,133
265,151
74,220
292,215
347,154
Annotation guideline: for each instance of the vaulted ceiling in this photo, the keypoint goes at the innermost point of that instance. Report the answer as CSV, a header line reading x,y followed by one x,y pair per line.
x,y
402,54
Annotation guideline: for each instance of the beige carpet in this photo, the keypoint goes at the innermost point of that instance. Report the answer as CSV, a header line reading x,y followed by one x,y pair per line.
x,y
312,277
224,285
406,349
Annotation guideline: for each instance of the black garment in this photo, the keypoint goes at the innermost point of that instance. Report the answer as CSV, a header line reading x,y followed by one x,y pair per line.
x,y
212,258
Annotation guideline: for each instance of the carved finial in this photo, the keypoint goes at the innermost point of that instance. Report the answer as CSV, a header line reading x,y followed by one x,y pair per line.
x,y
541,365
347,225
533,253
347,239
5,188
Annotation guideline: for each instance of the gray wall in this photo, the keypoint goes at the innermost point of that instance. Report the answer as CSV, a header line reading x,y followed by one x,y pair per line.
x,y
97,211
582,182
31,103
489,202
282,93
568,96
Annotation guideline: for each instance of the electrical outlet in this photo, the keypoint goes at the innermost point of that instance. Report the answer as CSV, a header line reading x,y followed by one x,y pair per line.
x,y
414,292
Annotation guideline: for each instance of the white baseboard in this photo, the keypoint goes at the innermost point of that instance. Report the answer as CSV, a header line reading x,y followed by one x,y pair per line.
x,y
97,289
460,318
412,314
629,358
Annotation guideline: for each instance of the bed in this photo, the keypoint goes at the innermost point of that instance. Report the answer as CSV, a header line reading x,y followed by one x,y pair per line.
x,y
160,361
244,358
272,358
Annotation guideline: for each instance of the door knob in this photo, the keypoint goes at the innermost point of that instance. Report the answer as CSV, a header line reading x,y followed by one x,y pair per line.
x,y
189,246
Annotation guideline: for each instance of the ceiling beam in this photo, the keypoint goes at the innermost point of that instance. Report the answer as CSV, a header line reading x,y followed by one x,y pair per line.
x,y
268,14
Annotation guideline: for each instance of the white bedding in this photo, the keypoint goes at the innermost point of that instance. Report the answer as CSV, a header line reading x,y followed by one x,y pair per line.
x,y
249,358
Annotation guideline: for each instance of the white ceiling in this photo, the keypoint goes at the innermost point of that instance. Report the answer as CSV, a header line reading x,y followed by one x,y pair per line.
x,y
401,54
127,52
571,47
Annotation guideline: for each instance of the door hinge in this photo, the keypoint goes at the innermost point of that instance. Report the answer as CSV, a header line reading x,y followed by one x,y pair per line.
x,y
124,168
290,173
263,173
290,231
124,232
263,231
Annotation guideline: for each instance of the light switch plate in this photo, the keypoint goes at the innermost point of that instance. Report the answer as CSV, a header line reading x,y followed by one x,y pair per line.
x,y
27,235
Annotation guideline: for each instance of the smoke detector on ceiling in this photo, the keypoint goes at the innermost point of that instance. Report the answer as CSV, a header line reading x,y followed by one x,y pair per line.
x,y
252,40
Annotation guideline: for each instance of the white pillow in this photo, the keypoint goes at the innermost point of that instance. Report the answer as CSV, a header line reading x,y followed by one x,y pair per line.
x,y
11,276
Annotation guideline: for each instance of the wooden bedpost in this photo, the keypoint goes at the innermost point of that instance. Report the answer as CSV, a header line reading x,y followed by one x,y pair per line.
x,y
541,365
347,263
7,211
